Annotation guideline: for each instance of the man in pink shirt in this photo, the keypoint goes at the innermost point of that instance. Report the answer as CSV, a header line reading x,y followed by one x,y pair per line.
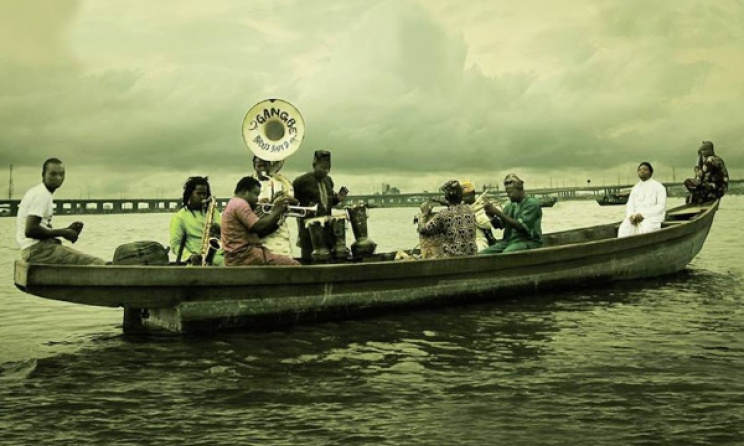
x,y
242,228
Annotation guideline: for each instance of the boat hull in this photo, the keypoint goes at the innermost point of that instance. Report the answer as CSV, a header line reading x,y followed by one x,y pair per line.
x,y
186,299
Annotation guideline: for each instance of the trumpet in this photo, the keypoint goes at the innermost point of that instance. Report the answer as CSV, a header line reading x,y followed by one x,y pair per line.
x,y
292,211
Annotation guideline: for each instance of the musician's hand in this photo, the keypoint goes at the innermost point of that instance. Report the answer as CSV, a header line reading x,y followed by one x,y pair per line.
x,y
493,211
195,259
280,205
77,226
342,193
215,230
426,208
490,208
70,234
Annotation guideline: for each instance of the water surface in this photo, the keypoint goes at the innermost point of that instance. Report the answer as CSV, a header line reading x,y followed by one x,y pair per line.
x,y
639,363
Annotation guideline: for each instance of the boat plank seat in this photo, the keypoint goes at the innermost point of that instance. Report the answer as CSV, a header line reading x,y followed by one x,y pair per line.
x,y
580,236
686,213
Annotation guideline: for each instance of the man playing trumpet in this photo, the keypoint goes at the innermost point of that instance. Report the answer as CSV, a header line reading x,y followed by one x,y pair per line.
x,y
243,229
187,224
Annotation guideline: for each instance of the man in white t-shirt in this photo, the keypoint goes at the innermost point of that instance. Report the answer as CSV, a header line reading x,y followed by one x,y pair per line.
x,y
37,239
272,187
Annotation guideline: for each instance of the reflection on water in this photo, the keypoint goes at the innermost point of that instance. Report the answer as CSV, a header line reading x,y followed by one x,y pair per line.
x,y
647,362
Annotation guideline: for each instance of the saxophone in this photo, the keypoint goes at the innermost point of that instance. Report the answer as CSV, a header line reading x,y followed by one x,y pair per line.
x,y
209,244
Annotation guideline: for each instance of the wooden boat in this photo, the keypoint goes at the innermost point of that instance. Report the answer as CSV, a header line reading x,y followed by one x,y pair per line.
x,y
547,201
188,299
614,199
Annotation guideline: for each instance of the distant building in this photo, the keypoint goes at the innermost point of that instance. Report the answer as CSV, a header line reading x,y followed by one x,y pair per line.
x,y
389,190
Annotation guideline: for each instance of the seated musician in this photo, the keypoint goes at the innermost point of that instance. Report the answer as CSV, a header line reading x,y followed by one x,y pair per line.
x,y
312,188
242,228
273,186
521,219
188,223
454,226
711,176
483,228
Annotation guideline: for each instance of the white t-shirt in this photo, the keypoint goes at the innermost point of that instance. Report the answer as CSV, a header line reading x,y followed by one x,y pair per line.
x,y
278,241
38,202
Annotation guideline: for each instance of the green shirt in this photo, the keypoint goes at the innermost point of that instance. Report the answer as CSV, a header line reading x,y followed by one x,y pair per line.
x,y
529,213
190,223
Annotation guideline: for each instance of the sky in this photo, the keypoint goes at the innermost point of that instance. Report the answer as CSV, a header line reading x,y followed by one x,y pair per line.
x,y
135,96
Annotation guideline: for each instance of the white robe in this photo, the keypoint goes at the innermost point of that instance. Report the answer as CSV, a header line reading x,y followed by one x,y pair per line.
x,y
647,198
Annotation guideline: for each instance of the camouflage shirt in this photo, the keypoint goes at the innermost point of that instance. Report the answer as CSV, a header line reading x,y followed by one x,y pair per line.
x,y
711,180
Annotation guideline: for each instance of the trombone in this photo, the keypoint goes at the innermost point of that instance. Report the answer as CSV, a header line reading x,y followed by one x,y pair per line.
x,y
292,211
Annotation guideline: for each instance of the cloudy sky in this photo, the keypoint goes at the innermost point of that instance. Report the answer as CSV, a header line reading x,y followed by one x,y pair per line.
x,y
136,95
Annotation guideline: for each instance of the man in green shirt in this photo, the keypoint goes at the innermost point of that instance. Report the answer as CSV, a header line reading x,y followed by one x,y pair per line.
x,y
187,224
521,219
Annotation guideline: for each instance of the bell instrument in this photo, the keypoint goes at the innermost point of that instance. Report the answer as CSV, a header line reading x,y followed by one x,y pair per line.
x,y
273,129
209,244
292,211
482,199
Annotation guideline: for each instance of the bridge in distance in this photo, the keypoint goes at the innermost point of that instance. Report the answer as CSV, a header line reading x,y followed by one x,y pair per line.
x,y
151,205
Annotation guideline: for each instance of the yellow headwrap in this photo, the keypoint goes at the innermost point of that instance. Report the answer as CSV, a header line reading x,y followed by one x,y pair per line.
x,y
467,186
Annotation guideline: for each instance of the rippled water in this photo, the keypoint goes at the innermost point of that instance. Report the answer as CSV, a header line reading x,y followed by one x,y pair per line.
x,y
641,363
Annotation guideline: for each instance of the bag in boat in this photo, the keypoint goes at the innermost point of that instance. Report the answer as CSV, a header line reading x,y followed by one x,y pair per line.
x,y
141,253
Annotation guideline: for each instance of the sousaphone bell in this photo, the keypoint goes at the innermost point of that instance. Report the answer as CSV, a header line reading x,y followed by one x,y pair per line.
x,y
273,129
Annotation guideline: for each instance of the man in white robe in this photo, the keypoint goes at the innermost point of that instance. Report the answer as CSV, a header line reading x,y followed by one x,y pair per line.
x,y
646,206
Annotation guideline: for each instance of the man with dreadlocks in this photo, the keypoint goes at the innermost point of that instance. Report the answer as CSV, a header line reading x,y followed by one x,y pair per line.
x,y
187,224
453,227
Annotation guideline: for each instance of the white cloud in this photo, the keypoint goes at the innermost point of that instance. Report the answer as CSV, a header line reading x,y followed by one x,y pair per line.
x,y
412,92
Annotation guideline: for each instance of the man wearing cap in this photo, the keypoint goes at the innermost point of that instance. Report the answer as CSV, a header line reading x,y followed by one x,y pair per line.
x,y
711,177
521,219
483,228
313,188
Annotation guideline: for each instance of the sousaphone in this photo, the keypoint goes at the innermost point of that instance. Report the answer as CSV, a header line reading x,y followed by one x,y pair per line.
x,y
273,129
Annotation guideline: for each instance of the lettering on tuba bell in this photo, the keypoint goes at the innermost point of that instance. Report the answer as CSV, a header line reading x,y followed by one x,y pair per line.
x,y
273,129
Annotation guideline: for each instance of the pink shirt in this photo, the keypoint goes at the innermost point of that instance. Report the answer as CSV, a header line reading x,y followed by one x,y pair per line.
x,y
237,220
